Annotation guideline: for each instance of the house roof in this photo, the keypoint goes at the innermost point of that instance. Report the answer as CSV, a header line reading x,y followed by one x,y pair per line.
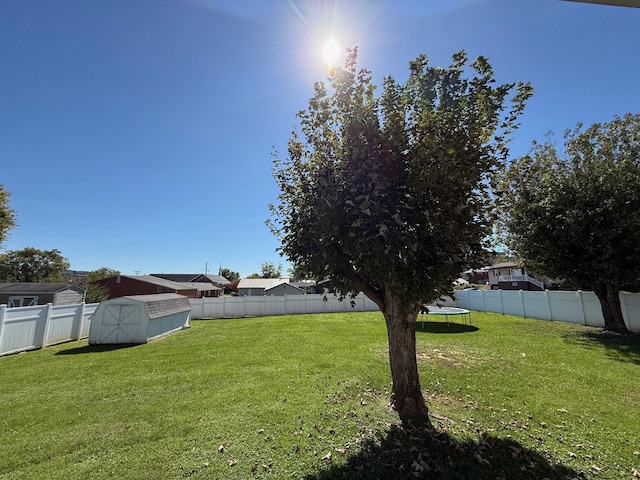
x,y
192,278
202,286
287,286
160,305
264,283
32,288
160,281
503,265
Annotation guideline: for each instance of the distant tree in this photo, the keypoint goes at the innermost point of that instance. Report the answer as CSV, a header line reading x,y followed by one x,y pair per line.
x,y
7,215
297,274
229,274
389,196
95,292
255,275
33,265
271,270
575,214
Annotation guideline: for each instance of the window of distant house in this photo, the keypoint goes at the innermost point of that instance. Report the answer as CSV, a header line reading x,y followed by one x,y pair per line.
x,y
158,289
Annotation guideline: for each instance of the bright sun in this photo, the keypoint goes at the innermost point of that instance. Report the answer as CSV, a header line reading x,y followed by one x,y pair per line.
x,y
331,51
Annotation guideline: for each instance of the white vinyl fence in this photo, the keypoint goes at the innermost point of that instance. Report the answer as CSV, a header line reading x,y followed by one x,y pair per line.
x,y
259,306
574,307
28,328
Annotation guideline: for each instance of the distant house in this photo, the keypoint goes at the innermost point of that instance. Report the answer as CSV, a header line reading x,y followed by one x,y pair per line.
x,y
267,286
205,289
478,276
510,276
217,280
125,285
308,286
27,294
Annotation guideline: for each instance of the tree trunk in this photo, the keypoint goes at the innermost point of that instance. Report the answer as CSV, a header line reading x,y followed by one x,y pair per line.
x,y
609,296
406,394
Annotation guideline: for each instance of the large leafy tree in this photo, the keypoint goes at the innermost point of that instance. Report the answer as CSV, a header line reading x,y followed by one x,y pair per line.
x,y
33,265
389,195
575,214
271,270
229,274
7,215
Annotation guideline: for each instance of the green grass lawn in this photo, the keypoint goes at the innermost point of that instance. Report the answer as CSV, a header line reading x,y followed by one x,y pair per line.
x,y
306,397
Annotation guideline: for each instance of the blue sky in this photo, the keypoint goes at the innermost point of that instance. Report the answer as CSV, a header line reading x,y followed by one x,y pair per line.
x,y
137,134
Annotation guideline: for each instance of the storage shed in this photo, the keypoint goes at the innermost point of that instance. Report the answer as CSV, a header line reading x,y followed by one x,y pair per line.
x,y
139,318
28,294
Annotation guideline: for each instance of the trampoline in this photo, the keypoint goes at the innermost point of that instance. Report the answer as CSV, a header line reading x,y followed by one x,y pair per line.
x,y
447,312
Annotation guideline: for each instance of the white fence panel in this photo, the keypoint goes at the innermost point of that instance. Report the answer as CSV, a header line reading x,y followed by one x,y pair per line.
x,y
574,307
22,329
27,328
631,310
566,307
537,306
512,302
258,306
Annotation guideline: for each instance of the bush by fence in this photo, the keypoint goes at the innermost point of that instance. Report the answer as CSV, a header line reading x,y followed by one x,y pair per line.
x,y
574,307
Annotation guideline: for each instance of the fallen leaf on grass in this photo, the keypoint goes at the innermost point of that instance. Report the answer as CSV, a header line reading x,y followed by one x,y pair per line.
x,y
635,473
231,462
327,457
596,468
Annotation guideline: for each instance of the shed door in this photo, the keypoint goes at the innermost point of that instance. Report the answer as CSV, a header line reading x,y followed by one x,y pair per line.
x,y
120,324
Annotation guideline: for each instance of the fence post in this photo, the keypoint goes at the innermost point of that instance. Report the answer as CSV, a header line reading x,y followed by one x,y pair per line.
x,y
3,315
47,320
524,312
80,313
501,303
581,302
546,294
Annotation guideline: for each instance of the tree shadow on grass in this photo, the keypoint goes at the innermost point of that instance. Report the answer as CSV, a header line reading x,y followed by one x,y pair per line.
x,y
444,327
622,348
96,348
413,452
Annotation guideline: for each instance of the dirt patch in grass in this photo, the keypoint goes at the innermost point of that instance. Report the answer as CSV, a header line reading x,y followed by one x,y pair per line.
x,y
451,357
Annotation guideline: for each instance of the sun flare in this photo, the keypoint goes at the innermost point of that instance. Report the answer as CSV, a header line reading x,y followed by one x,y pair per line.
x,y
331,52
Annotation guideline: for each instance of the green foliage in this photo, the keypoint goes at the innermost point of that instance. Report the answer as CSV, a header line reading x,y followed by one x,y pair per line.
x,y
271,270
33,265
516,399
575,214
96,293
229,274
7,215
390,194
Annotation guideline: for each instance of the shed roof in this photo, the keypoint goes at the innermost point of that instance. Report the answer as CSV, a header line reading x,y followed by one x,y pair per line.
x,y
161,304
32,288
264,283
